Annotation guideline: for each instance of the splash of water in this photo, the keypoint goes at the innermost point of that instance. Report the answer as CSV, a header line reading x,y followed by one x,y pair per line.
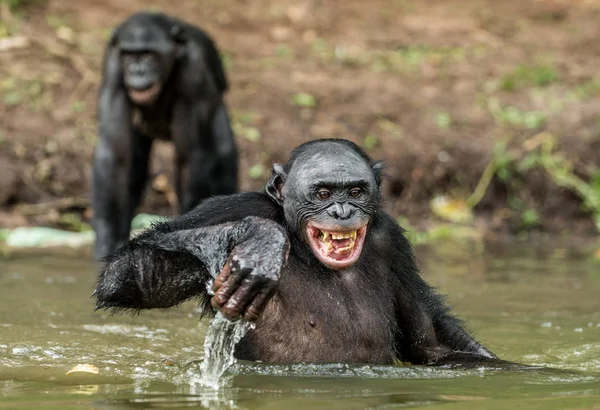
x,y
221,337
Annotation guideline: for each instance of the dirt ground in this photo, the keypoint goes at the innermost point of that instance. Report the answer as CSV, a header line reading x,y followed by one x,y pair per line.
x,y
430,87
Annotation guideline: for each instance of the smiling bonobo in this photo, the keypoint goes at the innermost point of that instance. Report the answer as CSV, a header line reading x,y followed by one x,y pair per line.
x,y
337,191
326,274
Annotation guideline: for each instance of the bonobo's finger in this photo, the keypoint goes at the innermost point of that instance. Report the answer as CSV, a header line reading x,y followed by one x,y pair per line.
x,y
259,302
223,276
229,286
241,297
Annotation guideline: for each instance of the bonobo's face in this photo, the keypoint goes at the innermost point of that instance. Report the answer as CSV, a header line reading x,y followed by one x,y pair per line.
x,y
329,197
141,75
148,53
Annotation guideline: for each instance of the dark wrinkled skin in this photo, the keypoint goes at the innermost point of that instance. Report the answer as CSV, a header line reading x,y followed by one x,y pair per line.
x,y
247,275
377,310
182,63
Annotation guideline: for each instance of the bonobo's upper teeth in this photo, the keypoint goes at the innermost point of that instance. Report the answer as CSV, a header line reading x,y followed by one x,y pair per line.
x,y
327,236
343,235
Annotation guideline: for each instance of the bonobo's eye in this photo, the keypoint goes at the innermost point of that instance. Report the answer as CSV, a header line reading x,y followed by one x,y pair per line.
x,y
355,192
323,193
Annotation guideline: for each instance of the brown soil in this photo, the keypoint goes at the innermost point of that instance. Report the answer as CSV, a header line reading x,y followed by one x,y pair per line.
x,y
343,52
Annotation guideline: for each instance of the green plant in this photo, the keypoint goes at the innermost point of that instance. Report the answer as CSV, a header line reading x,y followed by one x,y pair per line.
x,y
529,219
510,115
370,142
443,120
539,153
304,100
257,171
523,75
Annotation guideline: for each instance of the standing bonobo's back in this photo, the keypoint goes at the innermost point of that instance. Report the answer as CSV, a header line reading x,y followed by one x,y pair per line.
x,y
324,271
162,78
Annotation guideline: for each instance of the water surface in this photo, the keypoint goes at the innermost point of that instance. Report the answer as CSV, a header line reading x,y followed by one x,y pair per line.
x,y
528,303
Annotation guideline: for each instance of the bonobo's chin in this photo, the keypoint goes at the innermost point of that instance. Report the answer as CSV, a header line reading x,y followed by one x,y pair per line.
x,y
336,247
146,96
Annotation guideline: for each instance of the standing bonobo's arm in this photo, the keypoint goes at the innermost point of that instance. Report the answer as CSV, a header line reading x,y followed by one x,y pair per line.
x,y
111,200
164,267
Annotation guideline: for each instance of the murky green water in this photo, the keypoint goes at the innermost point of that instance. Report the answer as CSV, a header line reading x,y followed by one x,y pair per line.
x,y
526,303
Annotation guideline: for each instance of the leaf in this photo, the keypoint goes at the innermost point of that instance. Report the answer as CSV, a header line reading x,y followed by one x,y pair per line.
x,y
370,142
443,120
304,100
529,161
144,221
84,368
530,218
12,98
256,171
252,134
453,210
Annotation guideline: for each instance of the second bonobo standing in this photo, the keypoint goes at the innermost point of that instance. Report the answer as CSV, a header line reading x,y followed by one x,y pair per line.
x,y
162,78
325,272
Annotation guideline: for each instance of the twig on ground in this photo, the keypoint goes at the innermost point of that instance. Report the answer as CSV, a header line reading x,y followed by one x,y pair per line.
x,y
60,204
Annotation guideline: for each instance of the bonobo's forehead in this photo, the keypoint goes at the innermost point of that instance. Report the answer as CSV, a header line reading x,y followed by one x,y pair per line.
x,y
144,33
331,165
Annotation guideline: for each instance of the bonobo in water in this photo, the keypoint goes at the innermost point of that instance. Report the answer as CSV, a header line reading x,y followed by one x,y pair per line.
x,y
162,78
326,274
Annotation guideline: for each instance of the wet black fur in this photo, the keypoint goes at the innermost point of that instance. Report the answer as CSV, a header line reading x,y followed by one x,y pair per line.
x,y
379,310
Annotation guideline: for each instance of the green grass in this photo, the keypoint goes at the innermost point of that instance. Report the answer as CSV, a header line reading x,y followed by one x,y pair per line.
x,y
529,75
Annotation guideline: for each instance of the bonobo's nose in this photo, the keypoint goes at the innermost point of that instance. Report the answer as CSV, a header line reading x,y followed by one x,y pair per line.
x,y
139,76
341,211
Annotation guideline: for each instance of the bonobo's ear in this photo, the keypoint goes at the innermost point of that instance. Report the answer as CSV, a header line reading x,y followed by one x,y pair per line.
x,y
179,36
274,186
377,168
114,37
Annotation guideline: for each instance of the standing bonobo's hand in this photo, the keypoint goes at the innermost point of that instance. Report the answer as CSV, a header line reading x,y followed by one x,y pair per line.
x,y
251,273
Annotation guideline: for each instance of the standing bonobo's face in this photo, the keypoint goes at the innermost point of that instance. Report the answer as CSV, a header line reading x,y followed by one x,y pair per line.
x,y
141,76
329,197
147,54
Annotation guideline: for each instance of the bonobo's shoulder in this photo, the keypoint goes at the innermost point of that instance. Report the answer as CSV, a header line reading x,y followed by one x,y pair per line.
x,y
227,208
239,205
386,222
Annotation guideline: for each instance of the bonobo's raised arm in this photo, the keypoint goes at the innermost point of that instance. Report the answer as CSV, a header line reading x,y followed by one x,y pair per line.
x,y
164,267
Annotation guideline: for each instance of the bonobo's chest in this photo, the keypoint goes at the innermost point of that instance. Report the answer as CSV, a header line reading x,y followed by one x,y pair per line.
x,y
153,123
344,317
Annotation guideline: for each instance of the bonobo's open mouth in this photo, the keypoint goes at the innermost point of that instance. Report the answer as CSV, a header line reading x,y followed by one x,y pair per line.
x,y
145,96
337,249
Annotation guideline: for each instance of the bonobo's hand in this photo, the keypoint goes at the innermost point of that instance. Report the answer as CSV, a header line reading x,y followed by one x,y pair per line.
x,y
250,277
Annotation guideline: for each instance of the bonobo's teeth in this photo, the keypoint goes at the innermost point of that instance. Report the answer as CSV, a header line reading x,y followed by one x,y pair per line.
x,y
327,236
340,235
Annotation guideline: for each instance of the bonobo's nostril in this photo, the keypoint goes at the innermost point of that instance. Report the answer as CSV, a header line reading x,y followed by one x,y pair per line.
x,y
340,211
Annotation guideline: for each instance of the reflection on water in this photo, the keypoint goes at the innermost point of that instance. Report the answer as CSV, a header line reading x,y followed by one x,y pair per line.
x,y
530,304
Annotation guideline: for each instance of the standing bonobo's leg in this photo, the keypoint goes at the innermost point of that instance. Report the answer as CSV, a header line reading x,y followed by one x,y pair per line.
x,y
111,182
141,147
164,267
194,154
225,174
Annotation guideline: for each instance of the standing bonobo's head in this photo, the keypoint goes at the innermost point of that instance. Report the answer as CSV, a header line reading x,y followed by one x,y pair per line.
x,y
329,190
149,45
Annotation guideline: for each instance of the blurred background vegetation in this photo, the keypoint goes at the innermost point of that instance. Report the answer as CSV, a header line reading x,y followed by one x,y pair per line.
x,y
487,113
